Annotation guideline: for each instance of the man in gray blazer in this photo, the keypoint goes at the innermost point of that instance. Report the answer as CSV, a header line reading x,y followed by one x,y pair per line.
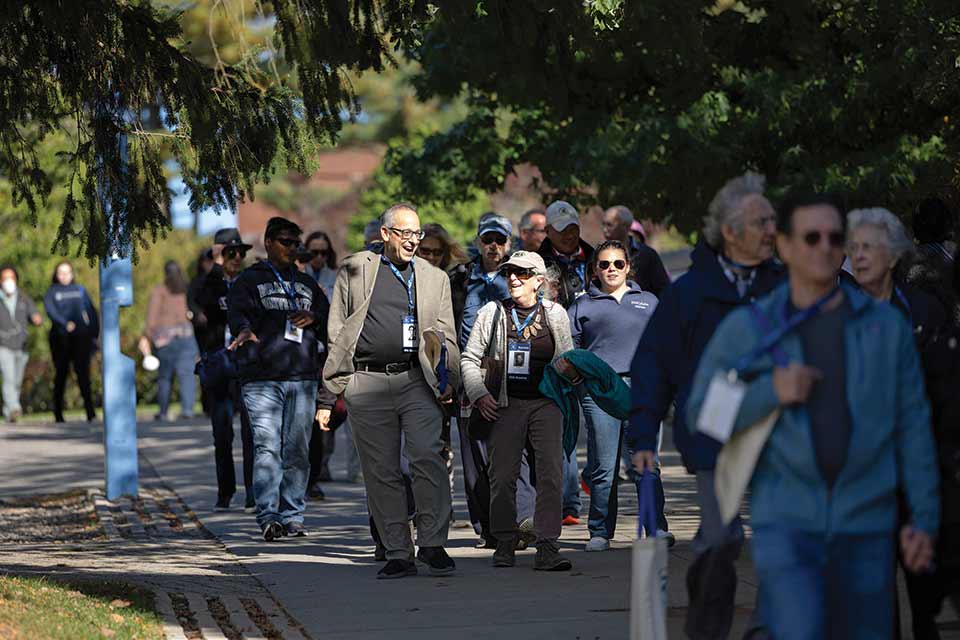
x,y
381,305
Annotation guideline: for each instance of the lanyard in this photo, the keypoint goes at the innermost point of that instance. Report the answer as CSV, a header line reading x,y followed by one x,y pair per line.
x,y
526,323
408,285
775,336
287,290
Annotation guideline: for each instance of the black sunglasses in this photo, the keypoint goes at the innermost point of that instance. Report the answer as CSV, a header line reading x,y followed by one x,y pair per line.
x,y
318,252
230,254
603,265
490,238
835,238
288,242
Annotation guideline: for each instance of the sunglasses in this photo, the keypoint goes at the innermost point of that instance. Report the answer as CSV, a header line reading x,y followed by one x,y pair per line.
x,y
603,265
430,253
230,254
522,274
288,242
318,252
490,238
835,238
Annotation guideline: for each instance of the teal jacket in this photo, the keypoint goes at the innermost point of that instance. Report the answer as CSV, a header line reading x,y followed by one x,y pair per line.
x,y
891,436
603,384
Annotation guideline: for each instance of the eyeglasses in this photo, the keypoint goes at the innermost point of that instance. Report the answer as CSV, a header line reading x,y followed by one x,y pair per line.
x,y
603,265
318,252
490,238
408,234
835,238
288,242
430,253
522,274
230,254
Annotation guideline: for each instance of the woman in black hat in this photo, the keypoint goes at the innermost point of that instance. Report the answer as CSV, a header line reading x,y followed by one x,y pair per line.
x,y
229,254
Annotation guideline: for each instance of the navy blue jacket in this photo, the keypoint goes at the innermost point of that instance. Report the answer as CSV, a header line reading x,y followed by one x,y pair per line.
x,y
666,359
71,303
610,329
478,292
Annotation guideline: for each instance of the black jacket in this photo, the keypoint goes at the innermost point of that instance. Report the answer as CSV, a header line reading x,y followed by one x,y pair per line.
x,y
647,269
212,299
571,283
258,302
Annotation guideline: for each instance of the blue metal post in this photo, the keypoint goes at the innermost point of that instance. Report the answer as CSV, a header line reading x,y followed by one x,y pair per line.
x,y
119,386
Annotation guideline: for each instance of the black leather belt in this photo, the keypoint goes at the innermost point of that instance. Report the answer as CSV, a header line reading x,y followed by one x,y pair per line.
x,y
391,367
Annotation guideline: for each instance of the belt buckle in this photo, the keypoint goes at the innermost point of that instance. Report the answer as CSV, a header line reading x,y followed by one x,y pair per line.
x,y
394,367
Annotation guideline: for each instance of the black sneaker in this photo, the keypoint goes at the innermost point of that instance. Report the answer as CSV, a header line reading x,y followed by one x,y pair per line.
x,y
505,556
294,530
315,492
397,569
249,505
273,531
223,504
548,558
380,553
526,534
437,560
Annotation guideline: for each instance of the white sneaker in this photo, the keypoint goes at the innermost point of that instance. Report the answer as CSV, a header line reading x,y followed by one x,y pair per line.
x,y
669,537
597,544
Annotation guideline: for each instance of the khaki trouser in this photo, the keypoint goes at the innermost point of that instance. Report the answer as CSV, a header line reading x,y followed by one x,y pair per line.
x,y
540,422
381,407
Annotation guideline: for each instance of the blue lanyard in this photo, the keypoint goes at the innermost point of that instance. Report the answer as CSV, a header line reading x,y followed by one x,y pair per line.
x,y
290,292
526,323
408,285
582,272
775,336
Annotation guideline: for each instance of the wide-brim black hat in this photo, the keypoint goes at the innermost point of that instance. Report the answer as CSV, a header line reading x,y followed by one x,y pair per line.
x,y
230,237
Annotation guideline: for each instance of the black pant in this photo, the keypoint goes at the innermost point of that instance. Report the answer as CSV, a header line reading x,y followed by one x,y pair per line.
x,y
321,450
67,350
224,404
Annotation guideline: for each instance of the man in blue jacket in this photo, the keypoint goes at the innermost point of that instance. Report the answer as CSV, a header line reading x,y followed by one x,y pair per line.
x,y
854,426
278,317
731,268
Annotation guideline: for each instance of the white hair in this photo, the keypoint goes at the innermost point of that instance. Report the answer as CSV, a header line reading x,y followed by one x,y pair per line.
x,y
898,241
726,208
386,219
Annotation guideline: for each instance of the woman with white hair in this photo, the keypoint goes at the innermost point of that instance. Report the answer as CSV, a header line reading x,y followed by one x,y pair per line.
x,y
876,243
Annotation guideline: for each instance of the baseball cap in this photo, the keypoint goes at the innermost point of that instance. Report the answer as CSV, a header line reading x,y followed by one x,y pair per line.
x,y
561,215
496,223
526,260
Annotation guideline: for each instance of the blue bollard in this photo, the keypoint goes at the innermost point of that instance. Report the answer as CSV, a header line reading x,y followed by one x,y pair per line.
x,y
119,387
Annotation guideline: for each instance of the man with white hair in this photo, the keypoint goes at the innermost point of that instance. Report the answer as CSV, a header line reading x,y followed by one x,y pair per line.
x,y
646,267
732,266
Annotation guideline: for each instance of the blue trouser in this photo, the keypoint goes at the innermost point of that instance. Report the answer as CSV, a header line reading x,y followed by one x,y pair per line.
x,y
281,414
815,587
178,357
571,485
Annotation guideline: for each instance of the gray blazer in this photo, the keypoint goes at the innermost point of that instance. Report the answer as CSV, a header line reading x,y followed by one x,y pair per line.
x,y
348,311
483,332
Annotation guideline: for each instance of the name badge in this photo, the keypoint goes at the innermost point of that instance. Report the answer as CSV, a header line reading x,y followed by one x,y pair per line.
x,y
518,360
410,338
721,406
292,333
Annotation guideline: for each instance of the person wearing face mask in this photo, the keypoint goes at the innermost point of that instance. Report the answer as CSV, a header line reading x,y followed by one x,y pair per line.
x,y
229,251
17,311
391,388
839,373
609,322
732,266
73,336
528,332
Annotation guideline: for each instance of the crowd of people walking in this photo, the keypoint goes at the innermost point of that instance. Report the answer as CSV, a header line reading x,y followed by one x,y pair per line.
x,y
831,333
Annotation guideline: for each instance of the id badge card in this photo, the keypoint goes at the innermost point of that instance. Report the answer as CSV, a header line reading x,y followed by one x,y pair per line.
x,y
721,406
292,333
410,338
518,360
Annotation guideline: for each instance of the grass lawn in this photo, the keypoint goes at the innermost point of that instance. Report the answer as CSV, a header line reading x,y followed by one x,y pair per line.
x,y
40,609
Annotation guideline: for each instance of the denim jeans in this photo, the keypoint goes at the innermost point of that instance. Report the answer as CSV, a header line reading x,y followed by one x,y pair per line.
x,y
178,357
281,414
224,404
13,362
603,462
571,480
814,587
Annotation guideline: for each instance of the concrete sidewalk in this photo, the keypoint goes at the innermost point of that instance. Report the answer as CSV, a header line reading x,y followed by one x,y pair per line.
x,y
326,582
